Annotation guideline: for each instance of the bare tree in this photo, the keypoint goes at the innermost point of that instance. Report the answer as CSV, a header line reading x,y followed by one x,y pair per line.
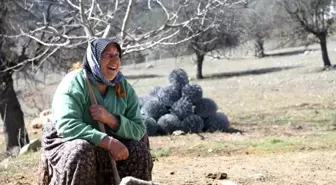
x,y
316,17
218,29
258,21
36,33
10,110
266,20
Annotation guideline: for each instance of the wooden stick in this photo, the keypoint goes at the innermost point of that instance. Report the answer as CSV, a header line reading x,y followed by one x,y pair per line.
x,y
102,129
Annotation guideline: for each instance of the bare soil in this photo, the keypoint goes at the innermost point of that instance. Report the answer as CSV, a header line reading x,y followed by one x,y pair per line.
x,y
308,167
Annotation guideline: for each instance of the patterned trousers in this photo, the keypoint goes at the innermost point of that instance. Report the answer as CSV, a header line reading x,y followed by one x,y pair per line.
x,y
78,162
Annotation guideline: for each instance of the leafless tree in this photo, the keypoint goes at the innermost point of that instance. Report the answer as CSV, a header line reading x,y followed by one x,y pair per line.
x,y
316,17
36,33
266,20
10,109
218,29
258,21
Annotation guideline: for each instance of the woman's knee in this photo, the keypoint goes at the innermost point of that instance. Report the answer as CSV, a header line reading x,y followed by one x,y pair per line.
x,y
77,163
139,164
80,149
81,144
138,149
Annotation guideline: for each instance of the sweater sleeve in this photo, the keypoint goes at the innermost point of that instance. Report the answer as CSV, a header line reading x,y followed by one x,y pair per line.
x,y
131,124
68,112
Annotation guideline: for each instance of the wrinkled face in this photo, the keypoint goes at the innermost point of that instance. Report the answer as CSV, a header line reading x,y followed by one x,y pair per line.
x,y
110,61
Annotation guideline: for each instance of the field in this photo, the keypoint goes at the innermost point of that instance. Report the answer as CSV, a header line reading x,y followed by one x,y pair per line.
x,y
283,108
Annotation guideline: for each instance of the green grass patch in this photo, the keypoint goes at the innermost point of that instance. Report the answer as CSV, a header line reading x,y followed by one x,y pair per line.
x,y
319,117
160,152
205,148
258,146
274,145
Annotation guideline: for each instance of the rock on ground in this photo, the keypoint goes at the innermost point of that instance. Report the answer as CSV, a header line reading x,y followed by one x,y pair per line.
x,y
34,145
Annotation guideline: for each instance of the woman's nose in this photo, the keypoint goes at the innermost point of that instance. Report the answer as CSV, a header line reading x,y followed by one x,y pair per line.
x,y
114,59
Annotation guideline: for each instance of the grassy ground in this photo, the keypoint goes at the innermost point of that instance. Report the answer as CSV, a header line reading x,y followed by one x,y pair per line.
x,y
284,107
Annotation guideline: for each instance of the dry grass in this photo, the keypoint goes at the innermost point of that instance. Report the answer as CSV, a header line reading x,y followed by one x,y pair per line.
x,y
224,144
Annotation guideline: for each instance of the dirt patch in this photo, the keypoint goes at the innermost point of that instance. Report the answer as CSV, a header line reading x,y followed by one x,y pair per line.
x,y
316,167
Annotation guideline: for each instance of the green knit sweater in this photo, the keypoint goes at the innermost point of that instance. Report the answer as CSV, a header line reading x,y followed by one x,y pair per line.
x,y
73,120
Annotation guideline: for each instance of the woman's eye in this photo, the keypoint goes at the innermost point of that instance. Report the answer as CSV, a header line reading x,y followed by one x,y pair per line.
x,y
111,55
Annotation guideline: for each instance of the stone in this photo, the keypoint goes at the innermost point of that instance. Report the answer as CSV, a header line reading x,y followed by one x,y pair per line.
x,y
217,176
134,181
33,146
178,133
306,52
148,66
221,176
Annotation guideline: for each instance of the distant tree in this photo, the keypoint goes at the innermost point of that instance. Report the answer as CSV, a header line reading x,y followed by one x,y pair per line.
x,y
315,17
258,22
266,20
219,29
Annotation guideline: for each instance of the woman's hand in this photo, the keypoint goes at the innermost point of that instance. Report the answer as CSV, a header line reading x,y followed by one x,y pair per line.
x,y
118,150
99,113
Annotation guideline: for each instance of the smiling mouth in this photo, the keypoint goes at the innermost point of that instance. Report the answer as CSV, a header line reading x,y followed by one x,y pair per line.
x,y
112,68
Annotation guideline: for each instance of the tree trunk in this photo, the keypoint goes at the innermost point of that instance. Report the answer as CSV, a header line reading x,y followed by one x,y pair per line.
x,y
323,43
16,135
259,48
200,58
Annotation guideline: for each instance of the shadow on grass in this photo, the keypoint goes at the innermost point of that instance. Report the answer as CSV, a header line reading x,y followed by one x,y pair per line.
x,y
322,69
290,53
248,72
142,76
234,130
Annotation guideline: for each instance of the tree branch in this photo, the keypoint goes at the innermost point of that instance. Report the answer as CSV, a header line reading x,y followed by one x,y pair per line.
x,y
125,21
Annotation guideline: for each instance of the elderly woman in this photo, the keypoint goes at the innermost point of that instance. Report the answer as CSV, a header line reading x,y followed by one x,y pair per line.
x,y
75,150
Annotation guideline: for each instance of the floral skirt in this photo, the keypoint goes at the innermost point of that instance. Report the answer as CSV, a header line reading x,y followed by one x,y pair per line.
x,y
79,162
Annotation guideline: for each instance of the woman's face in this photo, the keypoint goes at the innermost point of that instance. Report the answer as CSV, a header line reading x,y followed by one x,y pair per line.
x,y
110,62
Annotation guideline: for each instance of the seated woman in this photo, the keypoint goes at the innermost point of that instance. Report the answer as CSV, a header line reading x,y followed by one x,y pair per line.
x,y
75,151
